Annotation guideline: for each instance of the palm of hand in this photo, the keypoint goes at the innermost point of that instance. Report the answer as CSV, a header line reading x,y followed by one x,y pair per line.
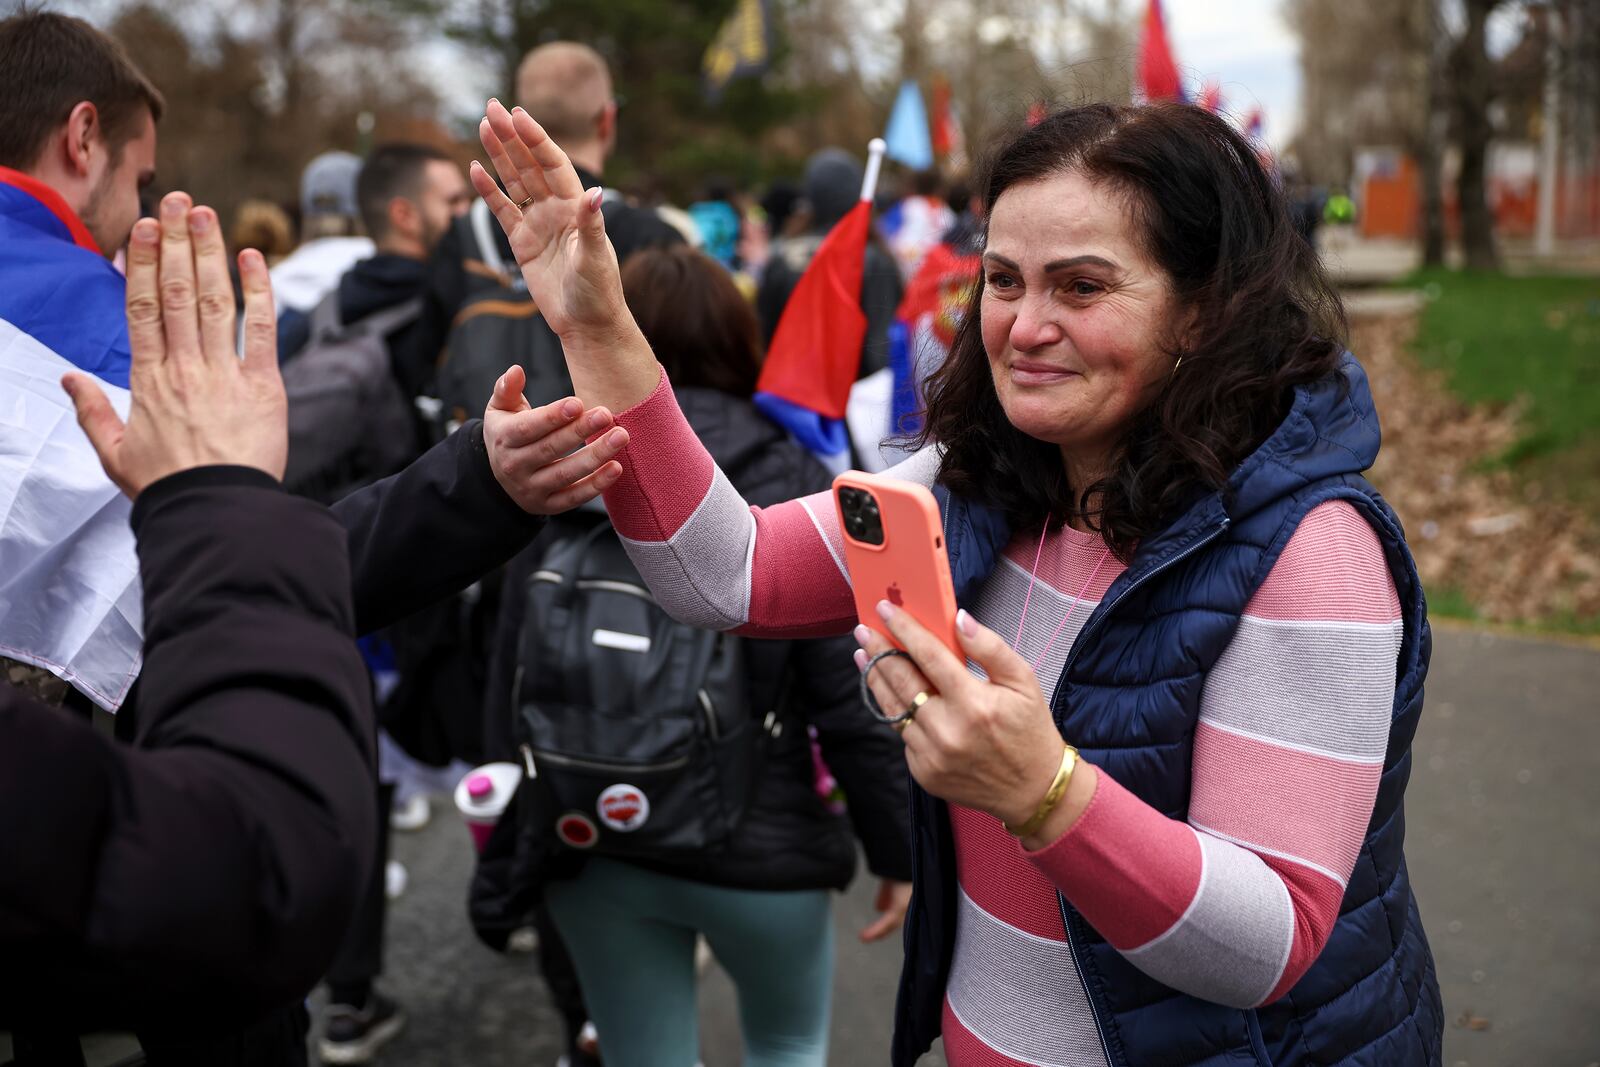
x,y
549,249
554,224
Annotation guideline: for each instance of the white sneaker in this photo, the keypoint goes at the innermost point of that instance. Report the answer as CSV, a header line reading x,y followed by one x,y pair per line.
x,y
412,815
523,940
394,879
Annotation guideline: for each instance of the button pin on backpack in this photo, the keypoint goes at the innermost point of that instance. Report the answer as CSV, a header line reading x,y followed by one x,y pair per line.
x,y
623,808
577,830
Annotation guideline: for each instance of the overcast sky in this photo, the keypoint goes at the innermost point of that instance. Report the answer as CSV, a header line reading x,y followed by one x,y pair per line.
x,y
1243,44
1247,48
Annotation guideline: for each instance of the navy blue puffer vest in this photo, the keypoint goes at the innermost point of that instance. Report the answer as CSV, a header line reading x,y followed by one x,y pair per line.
x,y
1129,698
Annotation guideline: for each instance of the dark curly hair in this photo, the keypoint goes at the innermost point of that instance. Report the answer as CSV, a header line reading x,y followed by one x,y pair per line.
x,y
1266,319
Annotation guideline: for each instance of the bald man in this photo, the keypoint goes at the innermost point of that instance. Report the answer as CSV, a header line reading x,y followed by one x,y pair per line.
x,y
567,88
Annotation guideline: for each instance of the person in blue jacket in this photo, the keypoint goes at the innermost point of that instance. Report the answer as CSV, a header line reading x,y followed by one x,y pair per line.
x,y
77,144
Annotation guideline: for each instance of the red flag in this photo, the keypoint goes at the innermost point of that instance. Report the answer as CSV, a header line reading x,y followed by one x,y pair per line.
x,y
816,350
946,135
1158,71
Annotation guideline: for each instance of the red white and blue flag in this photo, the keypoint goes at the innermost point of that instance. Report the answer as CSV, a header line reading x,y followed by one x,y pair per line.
x,y
815,353
69,578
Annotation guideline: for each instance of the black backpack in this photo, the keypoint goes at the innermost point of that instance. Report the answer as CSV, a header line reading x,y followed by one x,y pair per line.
x,y
498,323
638,732
350,423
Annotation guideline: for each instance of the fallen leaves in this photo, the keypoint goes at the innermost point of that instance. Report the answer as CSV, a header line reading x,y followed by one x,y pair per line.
x,y
1517,553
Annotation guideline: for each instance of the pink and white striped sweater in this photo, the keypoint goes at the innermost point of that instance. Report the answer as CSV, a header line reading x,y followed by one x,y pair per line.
x,y
1232,905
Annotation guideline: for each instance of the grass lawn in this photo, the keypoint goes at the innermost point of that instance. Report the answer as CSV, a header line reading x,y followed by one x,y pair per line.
x,y
1503,338
1536,340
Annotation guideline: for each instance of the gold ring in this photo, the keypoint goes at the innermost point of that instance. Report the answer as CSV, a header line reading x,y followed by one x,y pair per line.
x,y
524,205
916,705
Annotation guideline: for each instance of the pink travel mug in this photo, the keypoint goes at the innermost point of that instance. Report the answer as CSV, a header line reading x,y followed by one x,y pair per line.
x,y
482,796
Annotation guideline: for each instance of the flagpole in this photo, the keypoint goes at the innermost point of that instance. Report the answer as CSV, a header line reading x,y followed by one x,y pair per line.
x,y
869,184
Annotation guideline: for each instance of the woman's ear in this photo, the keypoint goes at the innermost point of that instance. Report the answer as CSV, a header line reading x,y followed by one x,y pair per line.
x,y
1186,328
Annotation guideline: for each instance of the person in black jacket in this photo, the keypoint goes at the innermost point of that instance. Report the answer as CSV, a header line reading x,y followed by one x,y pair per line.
x,y
192,881
213,865
769,886
408,195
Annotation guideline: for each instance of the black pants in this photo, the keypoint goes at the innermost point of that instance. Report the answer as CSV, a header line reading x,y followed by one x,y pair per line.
x,y
359,961
279,1040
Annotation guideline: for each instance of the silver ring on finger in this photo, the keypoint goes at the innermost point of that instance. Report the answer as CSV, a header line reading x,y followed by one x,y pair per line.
x,y
871,702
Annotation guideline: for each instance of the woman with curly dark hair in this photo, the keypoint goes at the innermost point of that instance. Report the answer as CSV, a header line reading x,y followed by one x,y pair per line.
x,y
1159,811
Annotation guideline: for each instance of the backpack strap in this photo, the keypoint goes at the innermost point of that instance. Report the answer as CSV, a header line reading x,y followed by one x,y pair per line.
x,y
383,323
484,227
325,319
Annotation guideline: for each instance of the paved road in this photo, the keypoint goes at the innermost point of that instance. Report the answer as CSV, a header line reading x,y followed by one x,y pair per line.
x,y
1504,821
1504,841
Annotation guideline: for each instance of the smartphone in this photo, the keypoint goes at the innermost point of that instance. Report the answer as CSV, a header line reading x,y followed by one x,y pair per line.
x,y
894,548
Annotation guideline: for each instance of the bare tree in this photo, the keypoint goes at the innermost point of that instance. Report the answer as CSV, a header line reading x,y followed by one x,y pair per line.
x,y
1472,85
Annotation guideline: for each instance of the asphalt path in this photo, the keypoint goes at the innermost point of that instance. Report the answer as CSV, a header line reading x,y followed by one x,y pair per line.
x,y
1503,821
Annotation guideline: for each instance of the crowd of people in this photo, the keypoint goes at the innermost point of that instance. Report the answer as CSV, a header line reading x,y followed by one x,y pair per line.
x,y
471,475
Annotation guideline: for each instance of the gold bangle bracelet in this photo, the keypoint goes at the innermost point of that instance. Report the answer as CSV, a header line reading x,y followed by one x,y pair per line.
x,y
1058,789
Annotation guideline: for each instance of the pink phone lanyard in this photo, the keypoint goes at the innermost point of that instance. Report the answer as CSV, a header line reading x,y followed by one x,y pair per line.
x,y
1033,578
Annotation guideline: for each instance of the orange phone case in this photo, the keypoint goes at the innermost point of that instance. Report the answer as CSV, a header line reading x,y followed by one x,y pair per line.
x,y
910,568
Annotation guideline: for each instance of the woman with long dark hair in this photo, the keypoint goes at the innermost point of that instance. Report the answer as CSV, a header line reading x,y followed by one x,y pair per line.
x,y
1159,820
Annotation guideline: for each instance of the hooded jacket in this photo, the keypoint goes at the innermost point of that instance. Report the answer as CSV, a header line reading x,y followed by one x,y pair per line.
x,y
1129,699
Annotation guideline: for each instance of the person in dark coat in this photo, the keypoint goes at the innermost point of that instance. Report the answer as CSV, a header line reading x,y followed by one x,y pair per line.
x,y
769,885
567,87
190,882
408,195
210,866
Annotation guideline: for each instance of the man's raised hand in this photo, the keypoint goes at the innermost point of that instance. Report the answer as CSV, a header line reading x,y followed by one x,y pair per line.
x,y
194,401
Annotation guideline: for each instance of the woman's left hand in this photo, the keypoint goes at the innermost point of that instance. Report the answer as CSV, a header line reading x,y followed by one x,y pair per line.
x,y
894,900
987,745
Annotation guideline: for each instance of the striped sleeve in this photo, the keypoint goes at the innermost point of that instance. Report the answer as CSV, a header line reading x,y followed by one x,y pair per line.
x,y
1236,904
711,559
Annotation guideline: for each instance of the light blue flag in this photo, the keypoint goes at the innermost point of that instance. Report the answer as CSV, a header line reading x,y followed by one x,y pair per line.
x,y
907,136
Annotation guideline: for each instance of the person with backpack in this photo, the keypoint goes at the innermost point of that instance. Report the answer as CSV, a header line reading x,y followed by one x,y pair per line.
x,y
351,411
670,787
475,300
352,421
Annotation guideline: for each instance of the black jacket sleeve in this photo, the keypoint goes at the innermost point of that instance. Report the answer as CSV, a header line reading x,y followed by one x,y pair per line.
x,y
866,756
430,530
207,875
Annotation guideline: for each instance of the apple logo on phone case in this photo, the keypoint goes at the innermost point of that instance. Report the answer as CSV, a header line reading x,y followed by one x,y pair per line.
x,y
895,596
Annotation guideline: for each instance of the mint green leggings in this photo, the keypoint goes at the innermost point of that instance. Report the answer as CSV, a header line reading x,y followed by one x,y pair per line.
x,y
631,933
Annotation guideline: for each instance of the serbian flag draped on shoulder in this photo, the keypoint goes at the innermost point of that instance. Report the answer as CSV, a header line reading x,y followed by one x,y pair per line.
x,y
815,352
69,579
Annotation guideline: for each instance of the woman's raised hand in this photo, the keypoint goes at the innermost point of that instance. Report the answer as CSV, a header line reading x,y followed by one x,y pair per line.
x,y
559,238
557,232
